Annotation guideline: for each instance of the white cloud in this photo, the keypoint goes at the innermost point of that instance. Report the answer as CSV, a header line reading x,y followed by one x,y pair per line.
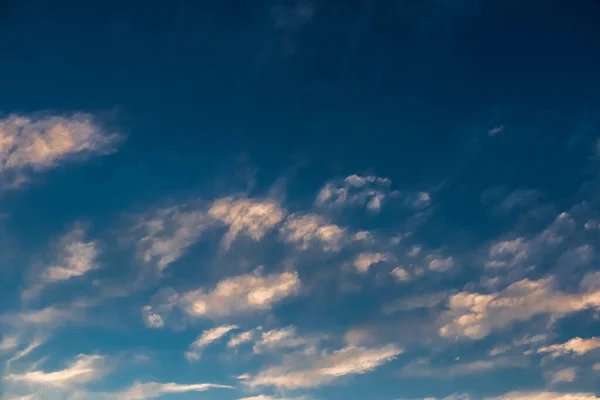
x,y
152,390
285,338
423,368
83,369
206,338
264,397
75,257
241,338
401,274
544,396
152,319
327,367
169,232
8,343
244,216
37,342
507,253
364,261
41,143
576,345
369,191
440,264
306,229
475,315
563,375
250,292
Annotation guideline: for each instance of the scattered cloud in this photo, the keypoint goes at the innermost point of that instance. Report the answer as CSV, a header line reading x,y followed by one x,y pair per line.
x,y
325,368
31,143
563,375
355,190
576,345
206,338
423,368
285,338
241,338
440,264
236,295
544,396
401,274
83,369
305,230
364,261
152,390
75,257
168,232
475,315
253,218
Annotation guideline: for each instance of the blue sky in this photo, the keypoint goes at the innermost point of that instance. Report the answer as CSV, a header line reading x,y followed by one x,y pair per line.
x,y
300,200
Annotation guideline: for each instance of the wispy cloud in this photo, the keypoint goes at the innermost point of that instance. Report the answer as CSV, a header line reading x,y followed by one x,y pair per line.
x,y
544,396
207,337
576,345
475,315
168,232
325,368
75,257
310,229
38,143
253,218
152,390
83,369
231,296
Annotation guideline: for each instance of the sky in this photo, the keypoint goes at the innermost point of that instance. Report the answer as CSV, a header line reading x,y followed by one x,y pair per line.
x,y
300,200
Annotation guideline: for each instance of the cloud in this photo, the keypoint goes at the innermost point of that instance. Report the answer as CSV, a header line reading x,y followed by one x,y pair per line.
x,y
241,338
38,143
152,319
475,315
576,345
507,253
304,230
440,264
37,342
285,338
544,396
401,274
83,369
244,216
355,190
231,296
206,338
152,390
75,257
424,369
325,368
168,232
563,375
263,397
364,261
8,343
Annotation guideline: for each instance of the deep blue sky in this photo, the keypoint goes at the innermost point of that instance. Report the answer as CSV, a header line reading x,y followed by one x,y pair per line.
x,y
153,153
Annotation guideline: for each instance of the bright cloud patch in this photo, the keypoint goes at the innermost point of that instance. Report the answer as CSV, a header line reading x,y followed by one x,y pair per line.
x,y
231,296
364,261
84,369
206,338
351,360
475,315
152,390
41,143
544,396
355,190
244,216
168,232
577,346
306,229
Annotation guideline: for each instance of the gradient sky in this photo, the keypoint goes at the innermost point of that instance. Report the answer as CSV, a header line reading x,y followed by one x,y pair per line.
x,y
300,200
